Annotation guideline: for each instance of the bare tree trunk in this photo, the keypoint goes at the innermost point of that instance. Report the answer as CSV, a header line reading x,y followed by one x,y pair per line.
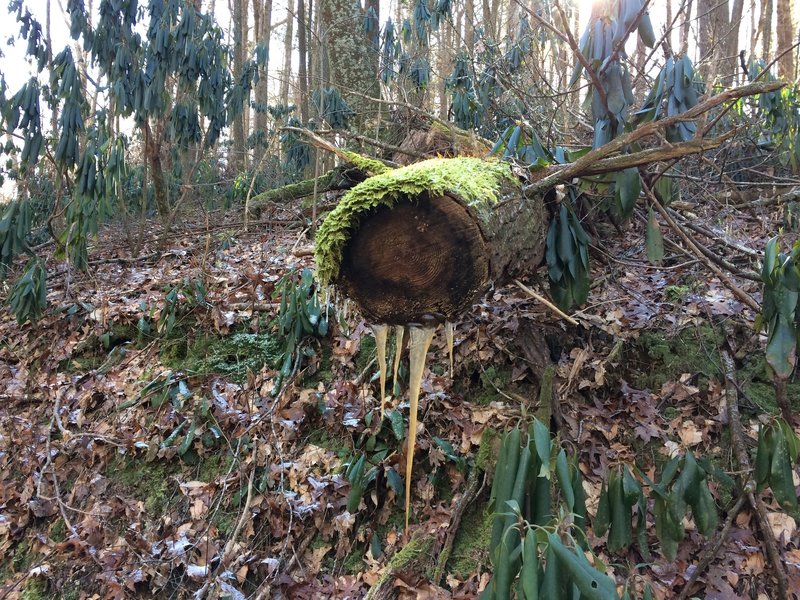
x,y
669,22
765,28
488,20
469,26
310,43
350,67
301,50
786,34
714,25
687,20
246,51
287,57
263,28
733,39
238,159
445,62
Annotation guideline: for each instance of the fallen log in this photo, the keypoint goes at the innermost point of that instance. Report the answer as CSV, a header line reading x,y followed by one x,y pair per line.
x,y
421,243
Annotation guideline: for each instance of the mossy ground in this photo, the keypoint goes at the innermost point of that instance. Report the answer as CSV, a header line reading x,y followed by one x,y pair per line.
x,y
94,350
657,358
231,356
35,589
471,546
150,482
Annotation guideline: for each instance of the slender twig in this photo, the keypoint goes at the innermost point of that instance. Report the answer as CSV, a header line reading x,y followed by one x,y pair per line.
x,y
474,485
593,75
740,450
737,291
710,553
546,302
245,516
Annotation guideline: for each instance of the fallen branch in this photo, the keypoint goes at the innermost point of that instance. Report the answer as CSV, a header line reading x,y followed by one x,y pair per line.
x,y
345,155
555,174
711,551
342,177
740,450
546,302
737,291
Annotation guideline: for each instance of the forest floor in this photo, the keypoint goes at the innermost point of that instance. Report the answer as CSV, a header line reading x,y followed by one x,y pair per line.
x,y
149,448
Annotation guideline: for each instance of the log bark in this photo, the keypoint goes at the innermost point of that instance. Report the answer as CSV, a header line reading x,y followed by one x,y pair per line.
x,y
450,229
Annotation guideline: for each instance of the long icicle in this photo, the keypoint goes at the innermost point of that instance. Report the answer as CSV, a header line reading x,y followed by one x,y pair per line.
x,y
449,330
420,341
398,352
381,333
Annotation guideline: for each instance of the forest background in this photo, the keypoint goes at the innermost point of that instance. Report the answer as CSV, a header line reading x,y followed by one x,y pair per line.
x,y
187,411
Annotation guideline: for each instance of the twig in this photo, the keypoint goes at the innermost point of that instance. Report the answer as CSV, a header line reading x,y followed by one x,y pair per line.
x,y
713,548
737,439
717,260
384,145
245,516
475,484
719,237
324,144
737,291
546,302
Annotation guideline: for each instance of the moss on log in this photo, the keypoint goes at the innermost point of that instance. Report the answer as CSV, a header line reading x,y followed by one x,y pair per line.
x,y
423,242
342,177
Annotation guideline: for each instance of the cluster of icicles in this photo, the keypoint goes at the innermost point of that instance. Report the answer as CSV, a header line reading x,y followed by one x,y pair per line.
x,y
419,341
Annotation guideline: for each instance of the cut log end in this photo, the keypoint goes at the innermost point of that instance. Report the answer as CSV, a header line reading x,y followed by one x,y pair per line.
x,y
416,262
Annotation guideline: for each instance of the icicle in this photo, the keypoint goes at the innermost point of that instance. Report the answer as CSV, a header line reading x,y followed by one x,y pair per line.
x,y
420,341
398,352
449,329
381,332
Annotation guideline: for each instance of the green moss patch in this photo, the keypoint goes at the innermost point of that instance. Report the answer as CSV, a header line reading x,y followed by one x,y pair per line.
x,y
473,180
150,482
471,546
231,355
692,350
366,164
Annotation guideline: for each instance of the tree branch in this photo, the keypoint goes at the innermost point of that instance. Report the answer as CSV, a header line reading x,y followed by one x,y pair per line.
x,y
550,176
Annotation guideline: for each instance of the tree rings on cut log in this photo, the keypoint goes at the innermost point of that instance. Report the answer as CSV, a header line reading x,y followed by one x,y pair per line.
x,y
417,262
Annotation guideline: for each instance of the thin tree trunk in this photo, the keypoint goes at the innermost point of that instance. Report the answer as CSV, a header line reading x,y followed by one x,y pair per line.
x,y
469,26
238,161
287,57
445,66
733,39
311,43
301,50
786,34
687,20
765,27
